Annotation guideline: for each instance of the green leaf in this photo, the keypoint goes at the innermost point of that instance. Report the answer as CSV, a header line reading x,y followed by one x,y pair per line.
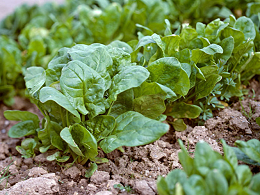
x,y
80,140
186,161
251,148
133,129
83,87
257,120
17,115
216,183
204,88
123,103
203,55
35,78
255,183
183,110
149,100
54,130
179,125
57,156
224,168
151,106
195,185
90,171
168,71
246,25
228,45
127,78
204,156
23,129
51,94
101,126
243,175
27,148
229,155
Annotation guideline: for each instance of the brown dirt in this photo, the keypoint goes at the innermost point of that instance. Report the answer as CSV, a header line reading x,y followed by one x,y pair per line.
x,y
137,168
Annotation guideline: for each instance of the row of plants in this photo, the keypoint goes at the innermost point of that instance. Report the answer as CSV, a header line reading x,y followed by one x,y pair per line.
x,y
32,35
102,97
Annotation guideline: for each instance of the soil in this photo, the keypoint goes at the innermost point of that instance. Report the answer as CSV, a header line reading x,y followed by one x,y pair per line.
x,y
136,169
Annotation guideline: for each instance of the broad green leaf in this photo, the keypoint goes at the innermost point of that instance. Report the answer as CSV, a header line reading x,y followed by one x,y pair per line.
x,y
168,71
22,129
127,78
243,175
37,45
151,106
35,78
228,45
214,28
80,140
172,44
17,115
243,157
195,185
183,110
224,167
123,103
101,126
51,94
186,161
251,148
133,129
175,177
83,87
144,41
162,186
149,100
204,155
229,155
235,33
255,183
246,25
54,130
179,125
187,34
90,171
204,88
216,183
203,55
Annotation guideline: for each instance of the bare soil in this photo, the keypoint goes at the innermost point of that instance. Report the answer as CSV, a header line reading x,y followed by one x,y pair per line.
x,y
136,169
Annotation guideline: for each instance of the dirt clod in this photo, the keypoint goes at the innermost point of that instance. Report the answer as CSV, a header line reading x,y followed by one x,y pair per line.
x,y
100,177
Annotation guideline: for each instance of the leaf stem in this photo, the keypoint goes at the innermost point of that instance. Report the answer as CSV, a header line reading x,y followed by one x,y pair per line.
x,y
67,118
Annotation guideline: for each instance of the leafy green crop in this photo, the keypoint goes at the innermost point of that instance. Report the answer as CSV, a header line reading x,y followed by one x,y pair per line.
x,y
40,31
248,152
209,173
90,97
199,66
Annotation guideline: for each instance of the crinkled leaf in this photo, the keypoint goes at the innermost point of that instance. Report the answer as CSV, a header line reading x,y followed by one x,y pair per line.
x,y
204,88
80,140
83,87
168,71
133,129
183,110
22,129
127,78
246,25
51,94
35,78
101,126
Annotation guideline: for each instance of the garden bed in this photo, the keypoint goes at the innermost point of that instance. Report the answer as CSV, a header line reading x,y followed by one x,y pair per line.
x,y
133,172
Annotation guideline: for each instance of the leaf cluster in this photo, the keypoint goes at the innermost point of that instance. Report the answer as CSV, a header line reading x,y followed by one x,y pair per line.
x,y
209,173
91,98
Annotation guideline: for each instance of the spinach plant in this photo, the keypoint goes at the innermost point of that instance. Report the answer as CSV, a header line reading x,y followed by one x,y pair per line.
x,y
248,152
209,173
91,97
200,66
